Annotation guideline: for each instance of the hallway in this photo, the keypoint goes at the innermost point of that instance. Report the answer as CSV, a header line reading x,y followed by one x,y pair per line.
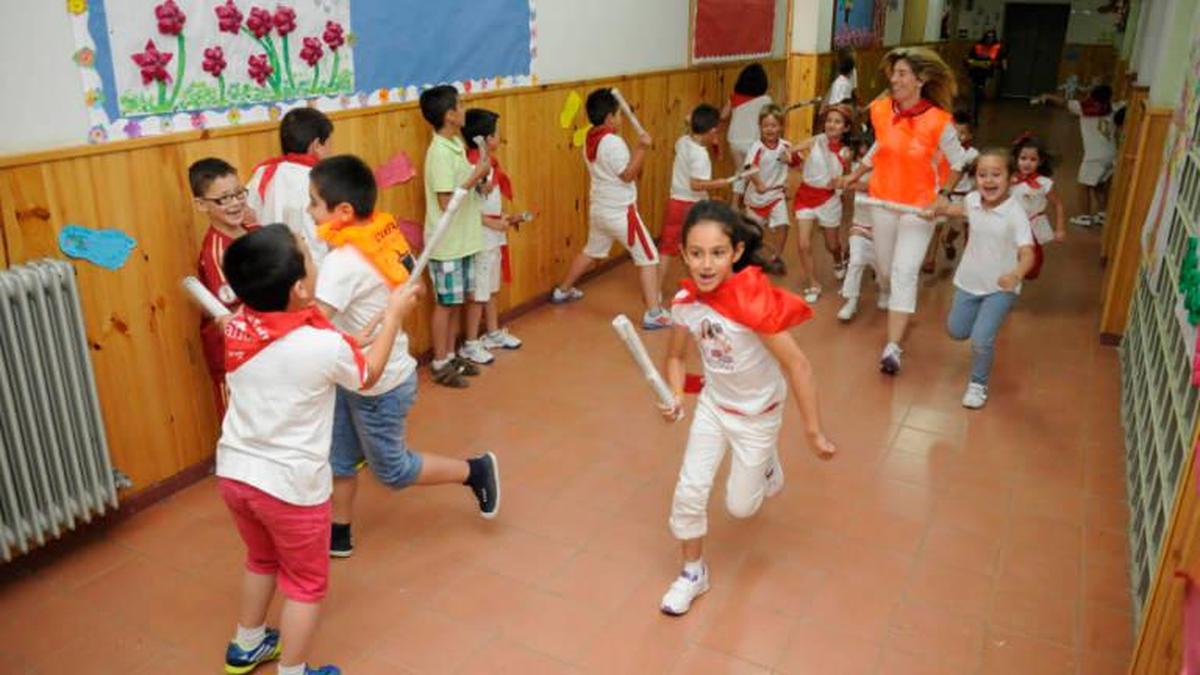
x,y
940,540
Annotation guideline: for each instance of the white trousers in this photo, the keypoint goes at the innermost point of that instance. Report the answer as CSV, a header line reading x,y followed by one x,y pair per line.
x,y
754,439
901,240
862,256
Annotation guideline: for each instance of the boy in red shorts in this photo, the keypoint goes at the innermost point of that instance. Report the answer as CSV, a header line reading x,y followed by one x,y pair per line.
x,y
691,179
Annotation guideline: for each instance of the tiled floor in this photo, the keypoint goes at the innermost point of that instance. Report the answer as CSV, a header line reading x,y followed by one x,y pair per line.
x,y
939,541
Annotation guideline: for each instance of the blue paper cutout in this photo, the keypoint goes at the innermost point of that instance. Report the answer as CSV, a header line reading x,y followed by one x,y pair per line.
x,y
106,248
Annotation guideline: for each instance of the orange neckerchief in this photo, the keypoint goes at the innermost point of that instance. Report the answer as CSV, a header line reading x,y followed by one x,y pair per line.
x,y
750,299
379,239
249,332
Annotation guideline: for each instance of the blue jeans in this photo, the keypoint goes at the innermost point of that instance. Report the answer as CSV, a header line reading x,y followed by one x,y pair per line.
x,y
372,428
979,317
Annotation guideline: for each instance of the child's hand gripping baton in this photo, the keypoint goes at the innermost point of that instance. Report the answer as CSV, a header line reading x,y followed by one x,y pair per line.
x,y
742,175
637,126
637,350
207,301
439,231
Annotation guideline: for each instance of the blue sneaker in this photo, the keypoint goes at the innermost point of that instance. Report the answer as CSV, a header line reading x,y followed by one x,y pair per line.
x,y
323,670
239,661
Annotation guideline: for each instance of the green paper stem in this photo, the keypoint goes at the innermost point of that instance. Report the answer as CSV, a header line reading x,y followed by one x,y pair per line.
x,y
316,83
333,75
287,62
180,63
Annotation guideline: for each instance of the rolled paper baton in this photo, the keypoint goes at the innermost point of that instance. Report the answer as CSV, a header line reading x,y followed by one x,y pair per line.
x,y
802,104
637,126
890,206
439,231
637,350
207,301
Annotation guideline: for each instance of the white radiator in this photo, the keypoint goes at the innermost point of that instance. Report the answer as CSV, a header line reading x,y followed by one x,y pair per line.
x,y
55,472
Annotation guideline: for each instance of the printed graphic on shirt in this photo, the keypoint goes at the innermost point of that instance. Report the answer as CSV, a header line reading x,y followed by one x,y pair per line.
x,y
716,347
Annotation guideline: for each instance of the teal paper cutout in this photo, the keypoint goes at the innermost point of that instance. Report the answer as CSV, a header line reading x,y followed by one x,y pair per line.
x,y
106,248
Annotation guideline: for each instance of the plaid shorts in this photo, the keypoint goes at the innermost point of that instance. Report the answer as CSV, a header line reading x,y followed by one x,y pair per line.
x,y
452,280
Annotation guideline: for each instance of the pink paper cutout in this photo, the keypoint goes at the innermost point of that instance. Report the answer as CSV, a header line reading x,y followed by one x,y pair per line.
x,y
414,233
1191,625
399,169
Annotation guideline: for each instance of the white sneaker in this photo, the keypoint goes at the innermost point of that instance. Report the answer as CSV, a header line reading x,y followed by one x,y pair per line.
x,y
882,300
654,320
501,339
889,362
474,351
848,310
1082,221
560,296
774,477
976,396
683,591
812,294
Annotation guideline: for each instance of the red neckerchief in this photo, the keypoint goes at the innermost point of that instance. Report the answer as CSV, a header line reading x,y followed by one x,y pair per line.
x,y
502,180
594,136
737,100
270,166
916,110
835,146
1090,107
249,332
750,299
1031,180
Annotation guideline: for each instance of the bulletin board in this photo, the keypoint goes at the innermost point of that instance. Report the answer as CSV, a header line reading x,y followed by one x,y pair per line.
x,y
726,30
156,66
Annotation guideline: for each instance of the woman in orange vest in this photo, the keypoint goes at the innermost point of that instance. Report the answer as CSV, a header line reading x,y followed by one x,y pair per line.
x,y
985,58
914,133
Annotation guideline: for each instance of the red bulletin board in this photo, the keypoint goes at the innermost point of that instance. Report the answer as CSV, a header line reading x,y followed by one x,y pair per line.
x,y
730,29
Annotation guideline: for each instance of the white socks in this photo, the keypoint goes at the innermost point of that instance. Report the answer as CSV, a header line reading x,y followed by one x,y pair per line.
x,y
694,568
249,638
441,364
293,670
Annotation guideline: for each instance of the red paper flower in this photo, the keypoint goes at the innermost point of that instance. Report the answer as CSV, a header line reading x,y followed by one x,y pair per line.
x,y
214,61
153,63
260,69
260,22
170,18
285,20
334,35
229,17
312,51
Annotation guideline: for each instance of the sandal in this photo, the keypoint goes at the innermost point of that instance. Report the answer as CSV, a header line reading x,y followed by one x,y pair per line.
x,y
465,367
448,376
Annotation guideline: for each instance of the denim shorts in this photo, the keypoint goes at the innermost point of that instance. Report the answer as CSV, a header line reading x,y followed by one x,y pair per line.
x,y
372,428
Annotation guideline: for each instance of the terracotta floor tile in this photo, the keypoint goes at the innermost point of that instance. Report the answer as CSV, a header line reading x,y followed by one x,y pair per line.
x,y
1008,653
1107,584
1102,664
941,639
425,641
1107,631
953,547
505,658
750,632
554,625
705,661
852,607
952,588
1049,617
1106,545
819,648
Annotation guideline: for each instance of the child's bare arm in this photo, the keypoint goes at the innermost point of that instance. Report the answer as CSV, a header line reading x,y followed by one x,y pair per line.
x,y
1025,262
1060,216
804,388
676,373
400,303
709,183
497,223
633,170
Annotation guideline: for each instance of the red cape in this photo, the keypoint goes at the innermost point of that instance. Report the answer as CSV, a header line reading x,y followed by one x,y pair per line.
x,y
750,299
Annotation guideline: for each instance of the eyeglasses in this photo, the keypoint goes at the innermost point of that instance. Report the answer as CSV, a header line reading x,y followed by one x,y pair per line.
x,y
230,199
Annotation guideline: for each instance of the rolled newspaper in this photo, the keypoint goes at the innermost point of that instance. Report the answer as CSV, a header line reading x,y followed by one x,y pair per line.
x,y
439,231
637,350
890,206
803,104
207,301
637,126
743,174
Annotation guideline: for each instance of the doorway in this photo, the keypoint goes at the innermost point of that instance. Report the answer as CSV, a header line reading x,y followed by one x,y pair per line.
x,y
1034,35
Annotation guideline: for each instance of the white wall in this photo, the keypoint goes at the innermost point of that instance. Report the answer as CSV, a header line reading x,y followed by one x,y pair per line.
x,y
812,26
893,28
1087,26
577,39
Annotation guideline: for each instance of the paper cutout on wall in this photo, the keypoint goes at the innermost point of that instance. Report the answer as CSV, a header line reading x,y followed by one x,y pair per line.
x,y
399,169
733,28
570,109
580,136
414,234
106,248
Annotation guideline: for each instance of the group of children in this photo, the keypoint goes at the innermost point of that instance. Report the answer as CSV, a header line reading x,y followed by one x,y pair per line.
x,y
313,374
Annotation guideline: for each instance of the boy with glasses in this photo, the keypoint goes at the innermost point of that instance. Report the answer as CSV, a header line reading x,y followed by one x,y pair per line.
x,y
219,195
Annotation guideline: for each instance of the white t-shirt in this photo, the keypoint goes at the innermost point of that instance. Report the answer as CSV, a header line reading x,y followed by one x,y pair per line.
x,y
279,424
1098,132
822,166
1033,201
743,122
841,89
996,236
691,161
740,373
353,287
493,205
610,194
966,182
772,170
286,202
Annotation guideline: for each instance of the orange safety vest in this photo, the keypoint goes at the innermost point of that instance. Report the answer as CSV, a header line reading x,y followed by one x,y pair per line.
x,y
380,241
984,56
906,154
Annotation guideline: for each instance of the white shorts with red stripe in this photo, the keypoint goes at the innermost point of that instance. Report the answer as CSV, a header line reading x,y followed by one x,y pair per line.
x,y
828,214
771,216
607,225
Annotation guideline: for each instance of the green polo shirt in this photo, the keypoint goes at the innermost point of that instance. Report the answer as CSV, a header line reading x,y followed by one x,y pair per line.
x,y
446,167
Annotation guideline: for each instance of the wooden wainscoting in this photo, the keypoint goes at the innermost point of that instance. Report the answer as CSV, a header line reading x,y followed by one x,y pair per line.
x,y
154,388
